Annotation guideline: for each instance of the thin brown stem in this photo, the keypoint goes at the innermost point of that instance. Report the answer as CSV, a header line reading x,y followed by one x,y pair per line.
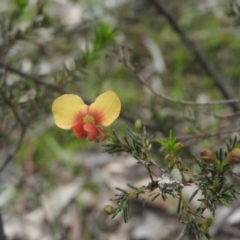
x,y
124,58
11,155
29,76
229,115
10,105
191,46
204,135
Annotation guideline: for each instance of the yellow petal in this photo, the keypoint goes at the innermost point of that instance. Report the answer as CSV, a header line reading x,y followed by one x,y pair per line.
x,y
106,108
67,109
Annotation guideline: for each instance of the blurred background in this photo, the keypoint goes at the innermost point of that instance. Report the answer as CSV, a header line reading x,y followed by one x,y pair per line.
x,y
53,185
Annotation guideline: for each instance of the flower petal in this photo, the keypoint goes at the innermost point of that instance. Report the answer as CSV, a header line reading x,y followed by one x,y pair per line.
x,y
78,130
106,108
95,134
67,109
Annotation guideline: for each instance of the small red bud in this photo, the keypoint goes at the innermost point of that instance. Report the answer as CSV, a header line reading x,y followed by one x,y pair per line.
x,y
234,156
207,155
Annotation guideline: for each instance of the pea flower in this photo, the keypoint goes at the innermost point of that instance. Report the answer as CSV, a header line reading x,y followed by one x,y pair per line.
x,y
70,112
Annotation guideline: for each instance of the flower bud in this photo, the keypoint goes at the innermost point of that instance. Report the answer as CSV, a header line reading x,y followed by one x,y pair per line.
x,y
138,126
177,148
207,155
234,156
108,209
169,157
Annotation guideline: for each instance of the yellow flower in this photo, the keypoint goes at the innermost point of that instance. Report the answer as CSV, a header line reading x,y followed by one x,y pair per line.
x,y
70,112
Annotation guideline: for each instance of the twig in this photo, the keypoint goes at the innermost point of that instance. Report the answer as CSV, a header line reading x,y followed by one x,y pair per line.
x,y
125,60
196,52
4,47
8,102
11,155
29,76
229,115
211,134
204,135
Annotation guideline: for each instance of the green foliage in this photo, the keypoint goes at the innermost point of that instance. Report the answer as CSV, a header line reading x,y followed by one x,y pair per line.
x,y
168,144
42,55
103,36
139,144
21,4
211,180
